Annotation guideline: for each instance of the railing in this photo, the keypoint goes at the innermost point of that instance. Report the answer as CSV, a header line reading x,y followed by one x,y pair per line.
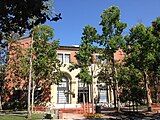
x,y
58,112
155,107
40,108
83,109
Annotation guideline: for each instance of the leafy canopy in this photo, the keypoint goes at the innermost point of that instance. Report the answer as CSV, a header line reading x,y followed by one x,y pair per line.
x,y
45,64
130,82
85,54
111,40
112,29
17,16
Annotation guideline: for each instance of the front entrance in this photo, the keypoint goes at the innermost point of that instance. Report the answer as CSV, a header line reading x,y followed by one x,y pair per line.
x,y
83,92
83,95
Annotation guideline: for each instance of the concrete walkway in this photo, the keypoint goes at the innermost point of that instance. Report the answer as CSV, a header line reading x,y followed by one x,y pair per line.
x,y
112,115
71,116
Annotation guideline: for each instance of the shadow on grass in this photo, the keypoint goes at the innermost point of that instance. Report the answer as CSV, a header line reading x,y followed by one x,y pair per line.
x,y
129,115
19,116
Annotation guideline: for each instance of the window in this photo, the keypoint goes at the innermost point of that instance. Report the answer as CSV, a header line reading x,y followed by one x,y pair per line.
x,y
102,95
60,57
82,90
62,91
65,58
100,60
63,83
97,58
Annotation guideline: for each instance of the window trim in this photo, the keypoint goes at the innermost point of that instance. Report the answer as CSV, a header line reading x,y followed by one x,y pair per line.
x,y
64,57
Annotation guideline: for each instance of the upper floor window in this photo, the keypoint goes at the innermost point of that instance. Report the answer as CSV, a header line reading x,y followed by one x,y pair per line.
x,y
60,57
65,58
97,58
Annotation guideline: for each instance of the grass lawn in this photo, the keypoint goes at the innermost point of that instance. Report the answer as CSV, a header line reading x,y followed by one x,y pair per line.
x,y
20,117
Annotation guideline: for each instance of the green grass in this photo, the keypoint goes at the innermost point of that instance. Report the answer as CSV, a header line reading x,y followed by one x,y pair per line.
x,y
20,117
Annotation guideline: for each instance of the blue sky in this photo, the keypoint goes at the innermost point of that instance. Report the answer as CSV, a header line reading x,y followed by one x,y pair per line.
x,y
78,13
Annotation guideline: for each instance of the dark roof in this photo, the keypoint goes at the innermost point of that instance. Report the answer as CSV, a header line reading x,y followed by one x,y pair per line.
x,y
68,48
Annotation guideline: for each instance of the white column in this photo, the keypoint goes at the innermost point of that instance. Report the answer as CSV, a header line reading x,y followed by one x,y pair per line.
x,y
53,93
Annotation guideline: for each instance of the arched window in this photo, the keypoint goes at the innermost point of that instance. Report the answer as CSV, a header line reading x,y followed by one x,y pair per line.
x,y
62,91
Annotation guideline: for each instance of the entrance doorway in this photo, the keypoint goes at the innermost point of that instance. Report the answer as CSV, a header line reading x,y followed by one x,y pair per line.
x,y
83,92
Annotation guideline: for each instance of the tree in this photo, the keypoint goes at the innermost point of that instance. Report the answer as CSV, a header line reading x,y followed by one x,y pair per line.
x,y
17,16
131,87
45,65
2,77
111,40
141,52
3,60
155,29
11,72
85,56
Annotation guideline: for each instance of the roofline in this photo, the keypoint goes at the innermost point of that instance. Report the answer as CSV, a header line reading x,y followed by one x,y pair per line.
x,y
24,38
61,47
68,48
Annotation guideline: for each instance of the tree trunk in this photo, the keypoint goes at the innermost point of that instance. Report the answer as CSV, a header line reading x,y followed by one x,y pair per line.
x,y
148,92
133,106
107,95
29,94
0,102
115,82
110,95
33,90
84,105
129,105
92,97
29,82
114,95
156,90
118,101
92,87
136,106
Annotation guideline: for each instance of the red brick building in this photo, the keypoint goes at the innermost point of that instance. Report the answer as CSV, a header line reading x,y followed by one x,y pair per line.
x,y
60,94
